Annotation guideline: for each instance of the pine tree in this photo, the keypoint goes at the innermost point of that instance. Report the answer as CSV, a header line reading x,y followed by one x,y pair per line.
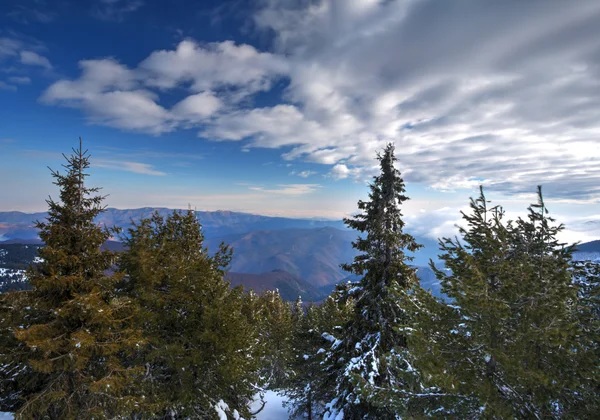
x,y
73,330
197,359
370,361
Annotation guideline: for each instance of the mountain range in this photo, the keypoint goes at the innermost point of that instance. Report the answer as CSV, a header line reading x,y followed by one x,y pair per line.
x,y
19,225
297,256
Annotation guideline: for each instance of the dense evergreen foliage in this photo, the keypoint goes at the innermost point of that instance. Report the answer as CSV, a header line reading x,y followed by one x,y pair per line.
x,y
198,345
514,341
71,329
368,361
156,332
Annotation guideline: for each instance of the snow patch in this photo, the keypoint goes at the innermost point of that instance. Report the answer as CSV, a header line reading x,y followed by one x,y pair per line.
x,y
274,409
221,408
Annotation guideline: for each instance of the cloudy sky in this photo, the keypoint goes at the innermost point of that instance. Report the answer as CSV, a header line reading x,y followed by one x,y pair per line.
x,y
279,106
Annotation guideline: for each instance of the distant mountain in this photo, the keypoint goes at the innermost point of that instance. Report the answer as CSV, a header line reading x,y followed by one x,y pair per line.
x,y
587,251
16,224
593,246
18,227
429,281
312,254
289,285
426,277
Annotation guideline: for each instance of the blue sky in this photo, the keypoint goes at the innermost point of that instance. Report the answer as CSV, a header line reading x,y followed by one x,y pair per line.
x,y
278,106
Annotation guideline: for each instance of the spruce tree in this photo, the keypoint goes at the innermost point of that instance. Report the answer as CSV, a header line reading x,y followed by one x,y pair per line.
x,y
197,357
370,360
14,374
72,329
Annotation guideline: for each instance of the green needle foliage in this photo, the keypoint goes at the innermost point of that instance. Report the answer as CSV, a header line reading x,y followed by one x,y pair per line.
x,y
370,360
309,385
275,328
198,356
512,341
72,329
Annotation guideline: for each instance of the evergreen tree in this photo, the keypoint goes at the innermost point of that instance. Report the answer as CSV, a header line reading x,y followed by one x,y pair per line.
x,y
546,311
512,342
14,375
302,373
197,359
71,328
309,387
481,280
275,328
370,361
584,393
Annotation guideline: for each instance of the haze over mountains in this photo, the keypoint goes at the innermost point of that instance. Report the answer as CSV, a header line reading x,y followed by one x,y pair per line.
x,y
227,226
297,256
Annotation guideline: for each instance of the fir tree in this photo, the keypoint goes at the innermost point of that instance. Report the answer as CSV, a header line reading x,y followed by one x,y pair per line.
x,y
197,359
73,330
370,361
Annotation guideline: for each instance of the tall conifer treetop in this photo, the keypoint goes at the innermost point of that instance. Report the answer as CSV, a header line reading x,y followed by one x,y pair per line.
x,y
70,233
383,261
369,359
74,330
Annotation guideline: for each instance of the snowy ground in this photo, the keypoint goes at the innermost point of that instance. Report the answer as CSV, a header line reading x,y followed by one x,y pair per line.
x,y
273,410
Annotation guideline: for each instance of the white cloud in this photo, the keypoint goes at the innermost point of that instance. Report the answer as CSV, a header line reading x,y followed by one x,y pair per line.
x,y
434,224
118,96
214,65
18,54
303,174
135,167
9,47
465,100
288,189
465,103
197,107
340,171
110,93
34,59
